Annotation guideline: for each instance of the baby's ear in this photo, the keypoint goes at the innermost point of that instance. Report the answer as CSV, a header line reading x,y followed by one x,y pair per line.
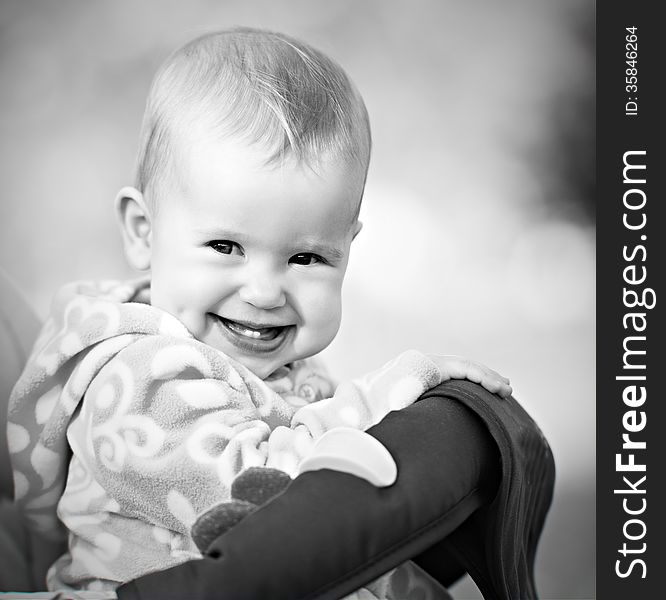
x,y
357,228
135,227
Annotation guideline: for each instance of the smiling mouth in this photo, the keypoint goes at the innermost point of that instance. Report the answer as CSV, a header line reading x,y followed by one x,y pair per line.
x,y
252,332
253,337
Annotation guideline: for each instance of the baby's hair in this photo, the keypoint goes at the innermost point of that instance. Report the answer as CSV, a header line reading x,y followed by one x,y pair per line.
x,y
258,86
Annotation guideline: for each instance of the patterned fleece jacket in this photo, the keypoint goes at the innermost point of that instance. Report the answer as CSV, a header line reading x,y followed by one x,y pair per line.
x,y
123,428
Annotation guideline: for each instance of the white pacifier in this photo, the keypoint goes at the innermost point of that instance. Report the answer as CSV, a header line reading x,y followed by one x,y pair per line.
x,y
354,452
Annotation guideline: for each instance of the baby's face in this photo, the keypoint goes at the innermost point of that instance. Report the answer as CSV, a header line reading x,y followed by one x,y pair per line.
x,y
251,258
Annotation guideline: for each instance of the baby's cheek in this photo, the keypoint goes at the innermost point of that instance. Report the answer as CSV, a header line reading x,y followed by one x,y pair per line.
x,y
319,306
194,320
330,317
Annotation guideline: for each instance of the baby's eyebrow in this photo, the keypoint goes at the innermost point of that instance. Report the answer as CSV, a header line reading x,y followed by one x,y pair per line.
x,y
331,252
222,234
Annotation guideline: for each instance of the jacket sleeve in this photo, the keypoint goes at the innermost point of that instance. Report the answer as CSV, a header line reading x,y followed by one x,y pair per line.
x,y
363,402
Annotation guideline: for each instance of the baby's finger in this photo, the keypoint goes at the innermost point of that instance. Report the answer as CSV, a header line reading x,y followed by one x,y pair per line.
x,y
504,391
498,376
497,386
468,370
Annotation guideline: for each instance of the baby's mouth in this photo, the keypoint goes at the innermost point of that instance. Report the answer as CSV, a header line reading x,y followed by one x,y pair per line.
x,y
251,332
255,338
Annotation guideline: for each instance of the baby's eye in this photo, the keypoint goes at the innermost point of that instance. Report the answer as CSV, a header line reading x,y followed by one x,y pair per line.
x,y
226,247
306,259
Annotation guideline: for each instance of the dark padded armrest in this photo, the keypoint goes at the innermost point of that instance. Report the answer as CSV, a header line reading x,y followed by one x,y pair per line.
x,y
330,533
497,545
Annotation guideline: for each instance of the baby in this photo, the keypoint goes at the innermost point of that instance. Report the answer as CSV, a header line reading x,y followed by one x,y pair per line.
x,y
143,400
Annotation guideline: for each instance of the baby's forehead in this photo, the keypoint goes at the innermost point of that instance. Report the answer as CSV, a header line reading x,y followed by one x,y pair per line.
x,y
199,151
230,167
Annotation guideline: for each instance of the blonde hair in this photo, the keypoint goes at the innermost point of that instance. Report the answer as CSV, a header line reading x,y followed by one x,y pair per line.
x,y
258,86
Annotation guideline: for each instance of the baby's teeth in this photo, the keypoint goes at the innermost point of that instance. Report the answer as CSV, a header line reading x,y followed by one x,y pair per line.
x,y
251,333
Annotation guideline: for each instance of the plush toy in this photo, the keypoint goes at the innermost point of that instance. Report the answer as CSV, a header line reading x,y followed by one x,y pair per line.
x,y
250,489
340,449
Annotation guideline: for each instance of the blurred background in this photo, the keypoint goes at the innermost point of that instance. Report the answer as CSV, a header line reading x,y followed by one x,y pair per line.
x,y
478,216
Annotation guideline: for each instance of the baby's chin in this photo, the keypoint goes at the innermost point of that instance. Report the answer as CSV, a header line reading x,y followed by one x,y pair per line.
x,y
261,368
265,359
264,367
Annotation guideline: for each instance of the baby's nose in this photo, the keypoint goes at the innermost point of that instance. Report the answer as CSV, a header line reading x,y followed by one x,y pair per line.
x,y
263,291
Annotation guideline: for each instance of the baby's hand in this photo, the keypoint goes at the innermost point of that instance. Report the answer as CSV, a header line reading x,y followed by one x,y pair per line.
x,y
457,367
